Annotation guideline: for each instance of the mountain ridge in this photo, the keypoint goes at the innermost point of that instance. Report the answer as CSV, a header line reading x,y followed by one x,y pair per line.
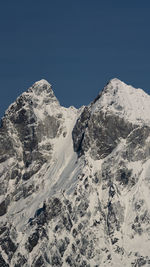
x,y
74,188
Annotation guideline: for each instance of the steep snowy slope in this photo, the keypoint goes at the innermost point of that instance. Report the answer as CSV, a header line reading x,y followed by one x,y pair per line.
x,y
75,184
125,101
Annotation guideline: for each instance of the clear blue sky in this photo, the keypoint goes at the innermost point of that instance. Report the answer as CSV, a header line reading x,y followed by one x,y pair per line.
x,y
77,45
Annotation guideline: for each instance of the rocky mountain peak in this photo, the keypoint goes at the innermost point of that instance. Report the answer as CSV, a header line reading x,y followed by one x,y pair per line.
x,y
41,87
116,88
123,100
41,92
116,82
35,101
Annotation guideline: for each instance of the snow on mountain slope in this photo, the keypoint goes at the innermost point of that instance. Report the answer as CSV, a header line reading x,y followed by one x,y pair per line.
x,y
74,188
63,164
125,101
63,158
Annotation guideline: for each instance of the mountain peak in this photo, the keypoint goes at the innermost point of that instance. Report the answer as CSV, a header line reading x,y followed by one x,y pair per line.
x,y
42,83
37,97
125,101
41,86
115,81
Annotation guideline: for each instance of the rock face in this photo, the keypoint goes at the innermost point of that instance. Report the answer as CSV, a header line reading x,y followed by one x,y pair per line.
x,y
74,184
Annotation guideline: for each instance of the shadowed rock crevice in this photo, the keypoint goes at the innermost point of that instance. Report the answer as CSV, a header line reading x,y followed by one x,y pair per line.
x,y
100,133
79,130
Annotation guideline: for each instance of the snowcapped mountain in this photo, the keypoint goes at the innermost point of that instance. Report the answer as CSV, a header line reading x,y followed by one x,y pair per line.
x,y
75,184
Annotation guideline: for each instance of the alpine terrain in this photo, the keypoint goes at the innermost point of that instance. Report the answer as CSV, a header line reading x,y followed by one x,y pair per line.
x,y
75,183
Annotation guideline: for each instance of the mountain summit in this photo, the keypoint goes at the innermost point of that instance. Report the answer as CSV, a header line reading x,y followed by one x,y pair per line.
x,y
74,186
126,101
